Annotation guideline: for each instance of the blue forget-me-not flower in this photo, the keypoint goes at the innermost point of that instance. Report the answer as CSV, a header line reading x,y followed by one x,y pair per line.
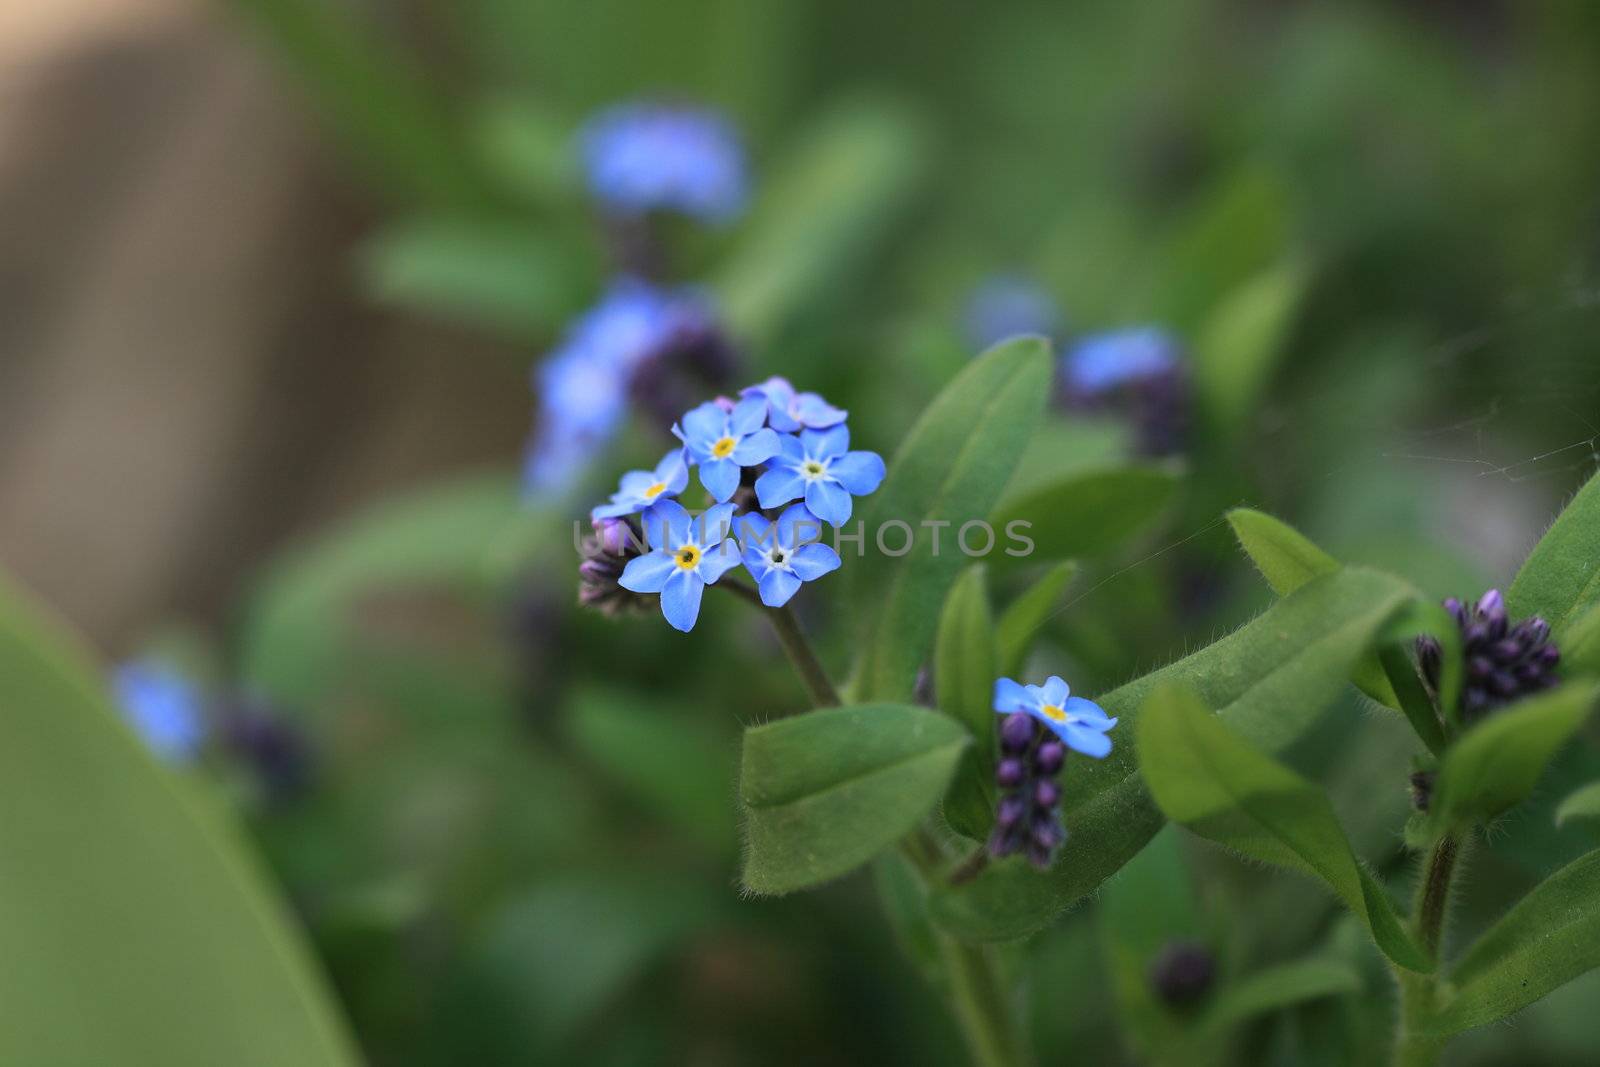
x,y
789,411
819,467
688,554
1081,724
163,706
643,157
1009,305
721,441
640,489
780,555
1102,362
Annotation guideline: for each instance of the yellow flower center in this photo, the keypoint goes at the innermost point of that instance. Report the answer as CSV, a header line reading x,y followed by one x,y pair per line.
x,y
812,468
655,490
688,557
1054,713
723,448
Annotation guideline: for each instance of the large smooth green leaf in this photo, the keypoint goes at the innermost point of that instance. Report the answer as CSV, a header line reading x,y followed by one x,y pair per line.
x,y
137,925
951,469
964,671
1269,680
826,791
1086,513
1581,803
1206,777
1022,619
1550,937
1241,341
1561,578
1496,764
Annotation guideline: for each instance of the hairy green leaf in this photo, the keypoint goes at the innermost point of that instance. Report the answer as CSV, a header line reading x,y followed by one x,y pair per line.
x,y
1580,642
1206,777
1561,578
1286,558
1283,986
826,791
964,672
1086,513
1580,804
1026,614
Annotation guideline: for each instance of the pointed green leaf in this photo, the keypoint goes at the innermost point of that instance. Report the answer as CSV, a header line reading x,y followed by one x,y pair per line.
x,y
1283,986
1548,938
1022,620
826,791
138,927
1580,642
1496,764
1580,804
1561,578
1269,679
950,470
964,672
1211,780
1240,343
1286,558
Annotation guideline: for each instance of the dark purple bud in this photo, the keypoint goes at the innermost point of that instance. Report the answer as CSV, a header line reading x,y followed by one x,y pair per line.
x,y
1010,811
1532,631
1046,794
1475,634
613,536
1474,702
1492,606
1548,656
1003,842
598,570
1503,684
1530,673
1009,772
1421,789
1182,973
1040,855
1016,732
1047,833
1479,668
1049,758
1507,649
1430,655
1457,611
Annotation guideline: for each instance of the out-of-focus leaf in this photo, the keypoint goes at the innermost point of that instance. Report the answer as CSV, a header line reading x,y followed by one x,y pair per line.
x,y
1550,937
1088,513
951,469
1496,763
1275,988
1561,578
529,150
1270,680
904,896
138,927
1022,619
1242,340
1580,642
964,672
1580,804
826,791
1218,785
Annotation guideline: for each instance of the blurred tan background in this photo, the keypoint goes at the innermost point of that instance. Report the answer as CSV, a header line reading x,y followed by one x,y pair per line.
x,y
188,377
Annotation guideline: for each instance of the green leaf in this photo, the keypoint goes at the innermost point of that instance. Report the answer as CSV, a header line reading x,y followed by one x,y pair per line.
x,y
1269,680
1022,620
904,895
951,469
826,791
965,666
1283,986
1086,513
1206,777
1239,344
1286,558
1561,578
138,926
1550,937
1496,763
1580,642
1580,804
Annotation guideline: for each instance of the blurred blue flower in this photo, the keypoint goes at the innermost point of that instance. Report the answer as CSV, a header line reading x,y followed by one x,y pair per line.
x,y
689,553
780,555
639,489
1103,362
721,441
1009,305
789,411
643,157
163,706
1081,724
819,467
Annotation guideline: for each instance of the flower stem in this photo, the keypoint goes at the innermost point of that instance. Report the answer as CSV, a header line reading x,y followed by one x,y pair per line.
x,y
1414,1046
795,645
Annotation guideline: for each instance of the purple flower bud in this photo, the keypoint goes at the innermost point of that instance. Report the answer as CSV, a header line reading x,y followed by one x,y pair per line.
x,y
1046,794
1504,684
1016,732
1476,633
1047,833
1010,812
1506,649
1548,656
613,536
1535,630
1457,611
1182,972
1530,673
1009,773
1040,855
1492,606
1003,842
1479,668
598,570
1430,656
1048,759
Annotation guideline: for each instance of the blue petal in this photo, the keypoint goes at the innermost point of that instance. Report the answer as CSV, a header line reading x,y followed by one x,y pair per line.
x,y
634,483
755,561
1081,739
666,524
1088,713
757,448
824,444
673,471
718,560
779,486
614,510
680,600
797,526
817,413
1055,690
777,587
748,416
751,527
1010,697
704,424
720,477
811,562
828,501
791,452
714,525
648,573
859,472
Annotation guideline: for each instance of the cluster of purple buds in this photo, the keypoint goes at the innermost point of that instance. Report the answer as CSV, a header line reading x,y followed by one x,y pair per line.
x,y
1028,816
1504,662
1140,372
616,541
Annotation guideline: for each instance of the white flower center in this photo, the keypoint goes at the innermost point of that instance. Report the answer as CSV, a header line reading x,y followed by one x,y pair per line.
x,y
813,469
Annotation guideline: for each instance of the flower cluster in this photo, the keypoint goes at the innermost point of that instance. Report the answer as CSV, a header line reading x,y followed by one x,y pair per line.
x,y
1040,724
163,706
786,451
644,157
1141,370
1503,661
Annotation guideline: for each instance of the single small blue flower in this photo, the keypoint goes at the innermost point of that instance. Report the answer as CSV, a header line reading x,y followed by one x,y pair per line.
x,y
1009,305
781,555
640,489
721,441
1103,362
643,157
689,554
819,467
789,411
163,706
1081,724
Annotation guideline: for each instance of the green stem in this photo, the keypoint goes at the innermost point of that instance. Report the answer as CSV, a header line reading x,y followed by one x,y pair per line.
x,y
795,646
1415,1047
